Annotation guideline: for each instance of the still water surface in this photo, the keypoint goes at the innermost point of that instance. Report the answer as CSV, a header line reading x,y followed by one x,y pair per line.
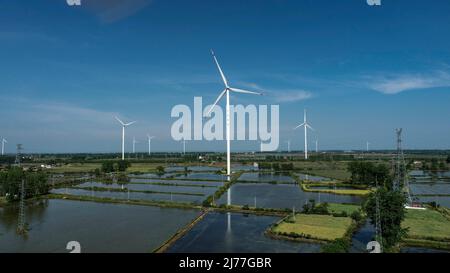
x,y
97,227
266,177
280,196
236,233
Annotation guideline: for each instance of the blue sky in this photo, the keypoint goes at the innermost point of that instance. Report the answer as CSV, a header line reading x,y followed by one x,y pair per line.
x,y
361,71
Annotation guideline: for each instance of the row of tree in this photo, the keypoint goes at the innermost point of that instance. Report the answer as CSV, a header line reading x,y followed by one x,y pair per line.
x,y
36,183
369,173
118,166
435,165
276,166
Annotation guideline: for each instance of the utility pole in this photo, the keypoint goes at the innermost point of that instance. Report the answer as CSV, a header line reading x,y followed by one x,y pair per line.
x,y
21,225
378,228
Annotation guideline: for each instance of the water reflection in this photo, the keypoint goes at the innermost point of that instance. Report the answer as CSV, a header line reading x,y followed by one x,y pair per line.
x,y
98,227
280,196
211,236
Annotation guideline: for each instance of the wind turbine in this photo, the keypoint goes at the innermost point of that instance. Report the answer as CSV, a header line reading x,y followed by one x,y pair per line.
x,y
226,92
289,146
3,145
150,143
367,146
317,145
306,126
123,135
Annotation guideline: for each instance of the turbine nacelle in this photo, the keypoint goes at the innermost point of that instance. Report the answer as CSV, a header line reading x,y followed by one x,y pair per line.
x,y
124,124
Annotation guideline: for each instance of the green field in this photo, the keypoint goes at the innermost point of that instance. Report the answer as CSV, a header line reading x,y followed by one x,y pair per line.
x,y
334,170
427,224
356,192
320,227
338,208
90,167
76,168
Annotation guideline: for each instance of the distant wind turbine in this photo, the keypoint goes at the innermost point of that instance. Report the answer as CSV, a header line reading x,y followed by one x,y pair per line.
x,y
3,145
123,135
317,146
226,92
367,146
289,146
150,143
306,126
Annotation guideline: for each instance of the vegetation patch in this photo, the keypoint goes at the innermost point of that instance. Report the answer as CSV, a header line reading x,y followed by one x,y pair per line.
x,y
347,208
174,184
164,204
311,226
127,190
427,228
354,192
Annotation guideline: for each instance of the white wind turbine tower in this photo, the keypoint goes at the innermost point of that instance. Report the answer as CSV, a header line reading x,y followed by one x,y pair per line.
x,y
289,146
306,126
367,146
226,92
317,145
3,145
150,143
123,135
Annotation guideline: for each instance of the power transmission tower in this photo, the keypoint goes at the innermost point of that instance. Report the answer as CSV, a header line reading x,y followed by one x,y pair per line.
x,y
18,154
378,227
399,167
400,179
21,225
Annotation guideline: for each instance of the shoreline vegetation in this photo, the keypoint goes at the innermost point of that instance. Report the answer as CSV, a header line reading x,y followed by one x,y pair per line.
x,y
353,190
180,233
103,189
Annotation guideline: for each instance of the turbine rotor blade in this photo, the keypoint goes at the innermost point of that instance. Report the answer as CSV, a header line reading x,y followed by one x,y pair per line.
x,y
129,123
307,125
217,100
237,90
220,69
121,122
299,125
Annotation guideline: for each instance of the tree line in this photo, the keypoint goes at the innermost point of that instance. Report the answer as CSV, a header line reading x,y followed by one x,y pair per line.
x,y
36,183
369,173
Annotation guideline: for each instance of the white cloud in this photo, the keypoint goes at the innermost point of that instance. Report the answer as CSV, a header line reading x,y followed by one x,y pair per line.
x,y
400,83
292,95
110,11
280,95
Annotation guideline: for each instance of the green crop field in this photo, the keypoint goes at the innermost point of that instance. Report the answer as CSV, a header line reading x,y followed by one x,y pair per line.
x,y
76,168
338,208
427,224
321,227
